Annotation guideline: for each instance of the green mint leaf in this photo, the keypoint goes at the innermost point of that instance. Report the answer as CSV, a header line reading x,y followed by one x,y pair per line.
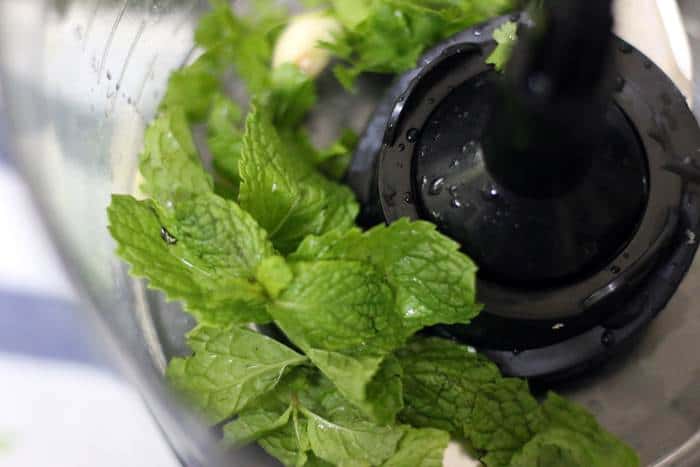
x,y
435,282
286,195
170,164
204,253
506,36
290,445
351,13
388,36
194,87
372,384
447,386
274,274
225,142
340,306
351,442
335,160
292,95
420,448
244,42
570,436
255,424
230,368
504,418
342,314
441,382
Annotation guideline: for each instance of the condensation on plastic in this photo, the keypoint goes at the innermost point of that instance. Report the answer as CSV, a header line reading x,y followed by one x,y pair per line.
x,y
80,78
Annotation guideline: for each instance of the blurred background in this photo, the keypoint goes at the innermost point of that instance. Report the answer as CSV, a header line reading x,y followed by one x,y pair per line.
x,y
62,400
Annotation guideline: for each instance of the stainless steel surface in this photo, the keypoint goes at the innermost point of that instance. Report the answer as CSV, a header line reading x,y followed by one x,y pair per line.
x,y
81,78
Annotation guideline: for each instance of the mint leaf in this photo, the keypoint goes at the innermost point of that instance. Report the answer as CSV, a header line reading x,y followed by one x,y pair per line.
x,y
570,436
286,195
446,386
341,313
170,164
504,417
506,36
372,384
388,36
435,282
204,253
420,448
230,368
290,445
441,382
274,274
244,42
450,388
292,95
339,306
225,142
194,87
351,443
255,424
335,160
351,13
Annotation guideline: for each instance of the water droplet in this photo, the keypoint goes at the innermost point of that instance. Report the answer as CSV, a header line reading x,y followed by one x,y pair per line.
x,y
437,137
437,186
408,198
490,194
477,32
412,135
402,147
608,338
625,48
117,87
691,237
454,190
647,63
516,351
454,163
620,84
615,269
456,203
423,181
109,75
558,326
167,236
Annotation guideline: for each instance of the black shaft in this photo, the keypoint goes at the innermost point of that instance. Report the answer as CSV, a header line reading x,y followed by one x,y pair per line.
x,y
549,112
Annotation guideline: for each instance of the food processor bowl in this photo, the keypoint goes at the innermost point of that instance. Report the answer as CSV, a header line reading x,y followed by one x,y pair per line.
x,y
80,80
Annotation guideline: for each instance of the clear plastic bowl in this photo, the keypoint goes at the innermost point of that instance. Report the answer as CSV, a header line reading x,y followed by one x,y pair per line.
x,y
80,79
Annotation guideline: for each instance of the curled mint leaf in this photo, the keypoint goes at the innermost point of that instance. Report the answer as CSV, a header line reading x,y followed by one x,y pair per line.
x,y
230,368
204,253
